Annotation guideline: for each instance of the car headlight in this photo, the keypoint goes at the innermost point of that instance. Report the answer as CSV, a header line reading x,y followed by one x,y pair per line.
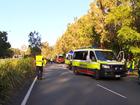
x,y
106,66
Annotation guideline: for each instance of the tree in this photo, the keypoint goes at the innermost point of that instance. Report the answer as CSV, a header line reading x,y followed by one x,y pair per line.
x,y
78,34
34,43
122,20
116,22
98,12
4,45
112,24
46,50
16,52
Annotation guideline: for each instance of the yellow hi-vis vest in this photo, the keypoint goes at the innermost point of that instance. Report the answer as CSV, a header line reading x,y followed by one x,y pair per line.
x,y
133,64
39,60
128,64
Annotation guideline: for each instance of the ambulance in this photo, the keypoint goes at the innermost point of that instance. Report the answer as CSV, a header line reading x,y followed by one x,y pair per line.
x,y
99,63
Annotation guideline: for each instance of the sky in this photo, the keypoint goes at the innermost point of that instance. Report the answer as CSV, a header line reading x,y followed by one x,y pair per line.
x,y
48,17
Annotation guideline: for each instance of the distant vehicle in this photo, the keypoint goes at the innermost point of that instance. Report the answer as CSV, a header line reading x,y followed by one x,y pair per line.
x,y
59,59
98,63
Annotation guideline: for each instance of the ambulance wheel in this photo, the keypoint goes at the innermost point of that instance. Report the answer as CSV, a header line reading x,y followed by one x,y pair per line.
x,y
139,80
75,71
70,67
97,75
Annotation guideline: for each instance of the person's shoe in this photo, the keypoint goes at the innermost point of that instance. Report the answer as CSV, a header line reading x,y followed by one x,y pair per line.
x,y
41,78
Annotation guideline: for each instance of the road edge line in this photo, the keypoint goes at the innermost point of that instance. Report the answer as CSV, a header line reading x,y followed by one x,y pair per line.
x,y
28,93
111,91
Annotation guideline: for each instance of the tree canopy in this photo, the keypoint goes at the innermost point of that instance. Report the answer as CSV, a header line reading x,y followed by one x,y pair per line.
x,y
4,45
47,50
34,43
110,24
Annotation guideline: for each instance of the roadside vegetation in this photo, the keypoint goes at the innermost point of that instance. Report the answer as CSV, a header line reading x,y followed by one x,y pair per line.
x,y
13,75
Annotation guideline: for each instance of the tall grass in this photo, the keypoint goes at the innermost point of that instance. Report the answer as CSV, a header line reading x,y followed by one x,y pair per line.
x,y
13,73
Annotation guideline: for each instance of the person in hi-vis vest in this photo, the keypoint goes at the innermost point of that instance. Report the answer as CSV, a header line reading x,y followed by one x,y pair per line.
x,y
40,62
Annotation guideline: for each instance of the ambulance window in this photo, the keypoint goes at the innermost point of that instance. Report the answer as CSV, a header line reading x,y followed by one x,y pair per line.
x,y
80,55
68,57
77,55
105,55
92,56
85,53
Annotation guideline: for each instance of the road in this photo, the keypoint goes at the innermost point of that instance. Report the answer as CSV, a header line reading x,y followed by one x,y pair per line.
x,y
62,87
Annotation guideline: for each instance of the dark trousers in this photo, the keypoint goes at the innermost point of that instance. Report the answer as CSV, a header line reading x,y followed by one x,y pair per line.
x,y
39,71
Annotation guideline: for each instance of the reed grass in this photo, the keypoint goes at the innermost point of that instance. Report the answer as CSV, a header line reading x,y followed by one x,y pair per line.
x,y
13,74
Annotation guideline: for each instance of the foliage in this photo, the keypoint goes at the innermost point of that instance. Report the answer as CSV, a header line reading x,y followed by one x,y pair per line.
x,y
110,24
122,20
16,51
47,50
34,43
13,74
78,34
4,45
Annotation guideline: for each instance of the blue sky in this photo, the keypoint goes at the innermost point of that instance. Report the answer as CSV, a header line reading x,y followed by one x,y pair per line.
x,y
48,17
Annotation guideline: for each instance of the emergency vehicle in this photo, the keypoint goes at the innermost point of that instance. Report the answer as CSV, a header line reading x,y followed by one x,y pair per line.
x,y
98,63
59,59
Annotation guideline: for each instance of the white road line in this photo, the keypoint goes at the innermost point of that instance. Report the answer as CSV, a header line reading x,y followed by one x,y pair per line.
x,y
111,91
28,93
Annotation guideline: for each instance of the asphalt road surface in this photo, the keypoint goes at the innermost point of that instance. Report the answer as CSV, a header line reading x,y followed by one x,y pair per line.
x,y
62,87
